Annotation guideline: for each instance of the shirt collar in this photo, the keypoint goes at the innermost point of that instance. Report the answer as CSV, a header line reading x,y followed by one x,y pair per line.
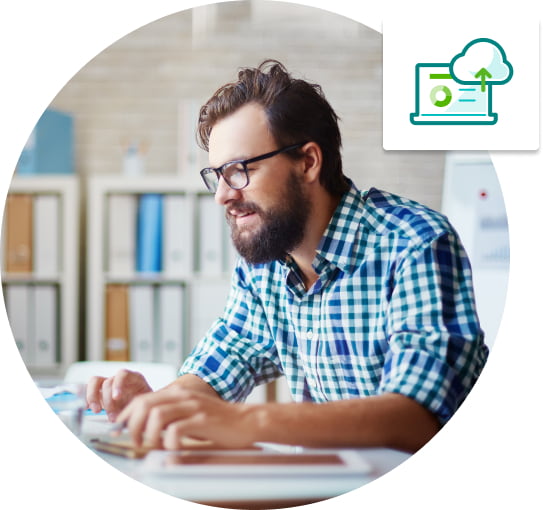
x,y
337,244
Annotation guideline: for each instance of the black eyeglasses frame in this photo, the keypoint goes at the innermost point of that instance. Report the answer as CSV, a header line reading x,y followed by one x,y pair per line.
x,y
213,185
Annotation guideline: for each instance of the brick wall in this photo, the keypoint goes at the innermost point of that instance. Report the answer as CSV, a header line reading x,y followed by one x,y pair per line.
x,y
132,90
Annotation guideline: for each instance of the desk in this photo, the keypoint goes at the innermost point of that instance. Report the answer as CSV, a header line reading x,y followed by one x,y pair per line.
x,y
233,492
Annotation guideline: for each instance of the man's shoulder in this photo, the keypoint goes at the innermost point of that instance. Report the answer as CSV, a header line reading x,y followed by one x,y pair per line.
x,y
390,214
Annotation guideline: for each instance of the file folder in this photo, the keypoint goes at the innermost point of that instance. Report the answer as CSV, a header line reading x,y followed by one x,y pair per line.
x,y
142,323
170,327
18,306
117,341
122,234
19,233
46,235
178,242
45,330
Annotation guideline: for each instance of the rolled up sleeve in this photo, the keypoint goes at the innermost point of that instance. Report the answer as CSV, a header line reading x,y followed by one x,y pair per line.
x,y
436,344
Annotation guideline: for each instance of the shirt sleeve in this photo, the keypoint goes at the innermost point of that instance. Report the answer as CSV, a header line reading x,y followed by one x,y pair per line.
x,y
238,352
436,344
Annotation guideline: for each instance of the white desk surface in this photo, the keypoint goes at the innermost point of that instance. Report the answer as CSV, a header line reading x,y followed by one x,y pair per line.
x,y
231,491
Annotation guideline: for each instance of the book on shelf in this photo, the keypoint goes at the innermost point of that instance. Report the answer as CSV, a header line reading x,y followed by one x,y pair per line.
x,y
122,213
46,235
149,233
117,347
19,233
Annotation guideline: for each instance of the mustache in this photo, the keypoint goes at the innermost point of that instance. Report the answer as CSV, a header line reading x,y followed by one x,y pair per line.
x,y
242,207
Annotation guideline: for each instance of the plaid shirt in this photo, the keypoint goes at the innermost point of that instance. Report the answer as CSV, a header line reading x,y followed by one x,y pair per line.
x,y
392,311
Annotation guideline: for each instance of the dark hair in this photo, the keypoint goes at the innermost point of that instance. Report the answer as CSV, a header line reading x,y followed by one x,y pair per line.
x,y
297,111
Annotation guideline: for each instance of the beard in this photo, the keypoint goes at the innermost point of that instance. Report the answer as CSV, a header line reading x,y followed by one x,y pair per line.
x,y
283,226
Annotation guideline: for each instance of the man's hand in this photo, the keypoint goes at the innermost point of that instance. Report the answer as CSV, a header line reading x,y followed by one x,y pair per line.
x,y
165,417
114,393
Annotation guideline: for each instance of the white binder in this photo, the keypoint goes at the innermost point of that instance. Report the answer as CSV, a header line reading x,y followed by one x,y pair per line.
x,y
211,227
122,234
46,235
45,331
178,242
142,322
18,306
170,326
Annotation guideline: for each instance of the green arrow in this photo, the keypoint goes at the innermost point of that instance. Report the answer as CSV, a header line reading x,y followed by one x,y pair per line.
x,y
483,74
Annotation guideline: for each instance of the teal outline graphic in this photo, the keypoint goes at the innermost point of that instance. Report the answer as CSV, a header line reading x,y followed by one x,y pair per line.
x,y
485,81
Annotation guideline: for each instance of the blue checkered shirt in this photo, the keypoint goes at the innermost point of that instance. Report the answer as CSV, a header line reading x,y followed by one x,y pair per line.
x,y
392,311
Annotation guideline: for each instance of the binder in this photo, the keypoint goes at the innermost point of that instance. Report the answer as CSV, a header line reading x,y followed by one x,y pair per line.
x,y
210,228
46,235
178,243
116,324
45,330
170,326
19,307
149,233
19,233
122,234
142,327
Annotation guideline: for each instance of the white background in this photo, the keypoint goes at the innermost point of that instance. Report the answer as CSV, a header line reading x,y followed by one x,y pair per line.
x,y
484,457
413,40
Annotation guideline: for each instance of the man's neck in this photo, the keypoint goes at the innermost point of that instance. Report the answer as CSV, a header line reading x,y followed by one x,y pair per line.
x,y
304,254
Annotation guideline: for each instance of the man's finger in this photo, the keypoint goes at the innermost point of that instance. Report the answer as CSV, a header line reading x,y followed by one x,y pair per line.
x,y
94,394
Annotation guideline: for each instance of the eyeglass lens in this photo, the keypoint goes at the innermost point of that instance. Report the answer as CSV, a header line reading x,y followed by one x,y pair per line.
x,y
234,175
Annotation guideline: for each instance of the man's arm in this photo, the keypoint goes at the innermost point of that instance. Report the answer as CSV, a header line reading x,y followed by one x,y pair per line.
x,y
388,420
165,417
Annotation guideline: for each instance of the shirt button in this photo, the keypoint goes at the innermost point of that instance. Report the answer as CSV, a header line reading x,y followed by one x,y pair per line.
x,y
309,335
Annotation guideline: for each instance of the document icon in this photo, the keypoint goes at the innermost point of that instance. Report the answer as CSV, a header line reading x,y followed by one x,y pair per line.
x,y
439,99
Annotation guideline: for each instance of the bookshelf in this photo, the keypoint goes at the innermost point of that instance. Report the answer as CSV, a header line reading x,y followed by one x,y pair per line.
x,y
40,270
182,294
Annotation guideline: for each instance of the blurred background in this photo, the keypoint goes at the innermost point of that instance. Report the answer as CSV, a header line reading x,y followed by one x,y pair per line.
x,y
124,126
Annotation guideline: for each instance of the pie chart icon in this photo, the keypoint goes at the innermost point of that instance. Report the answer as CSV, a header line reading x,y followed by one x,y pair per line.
x,y
440,95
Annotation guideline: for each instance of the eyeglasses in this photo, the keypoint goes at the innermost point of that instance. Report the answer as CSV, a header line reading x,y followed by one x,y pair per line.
x,y
235,173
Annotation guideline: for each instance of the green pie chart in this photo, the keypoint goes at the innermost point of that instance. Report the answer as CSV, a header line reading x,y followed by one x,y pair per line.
x,y
442,101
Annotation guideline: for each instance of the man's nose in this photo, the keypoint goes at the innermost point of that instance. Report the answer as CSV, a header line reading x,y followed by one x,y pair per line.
x,y
225,193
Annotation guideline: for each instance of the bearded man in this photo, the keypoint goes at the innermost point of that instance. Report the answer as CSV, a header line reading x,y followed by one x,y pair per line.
x,y
363,300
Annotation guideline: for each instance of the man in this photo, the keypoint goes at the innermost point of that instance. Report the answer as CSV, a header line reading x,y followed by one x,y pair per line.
x,y
363,300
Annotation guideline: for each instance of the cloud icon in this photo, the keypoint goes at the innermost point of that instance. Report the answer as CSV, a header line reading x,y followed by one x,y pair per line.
x,y
481,61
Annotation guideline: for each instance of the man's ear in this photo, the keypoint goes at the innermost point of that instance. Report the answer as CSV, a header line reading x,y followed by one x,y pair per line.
x,y
312,162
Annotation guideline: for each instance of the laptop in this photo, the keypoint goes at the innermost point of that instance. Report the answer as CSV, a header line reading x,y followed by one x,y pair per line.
x,y
439,99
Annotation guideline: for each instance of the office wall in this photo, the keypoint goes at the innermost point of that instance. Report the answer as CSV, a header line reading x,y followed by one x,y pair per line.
x,y
131,90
